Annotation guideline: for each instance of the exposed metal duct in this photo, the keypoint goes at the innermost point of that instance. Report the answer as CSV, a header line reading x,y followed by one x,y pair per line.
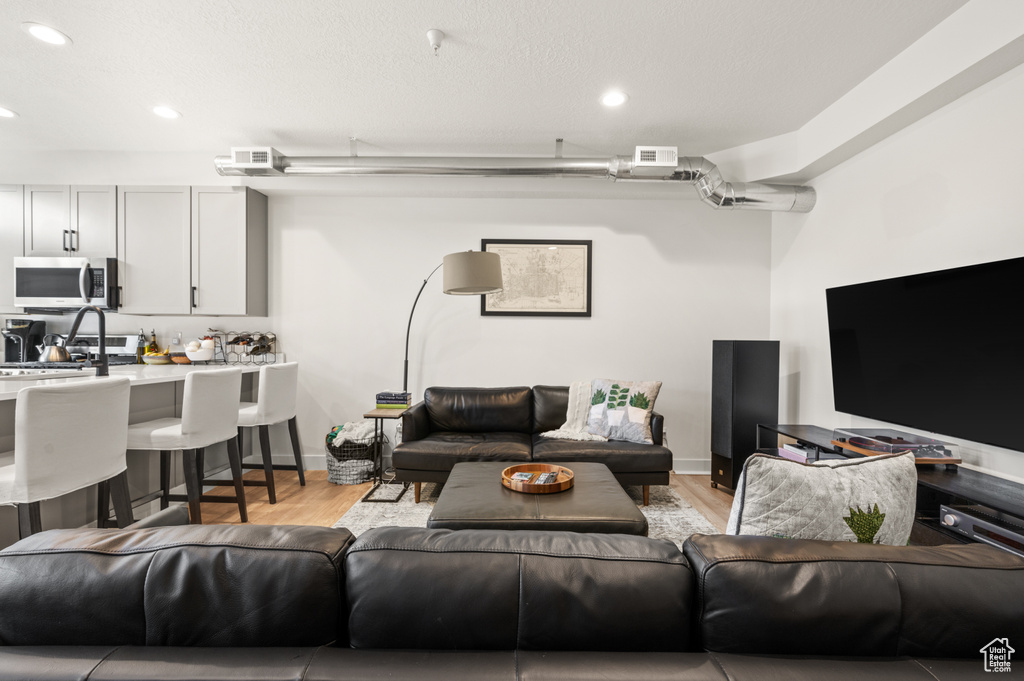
x,y
696,170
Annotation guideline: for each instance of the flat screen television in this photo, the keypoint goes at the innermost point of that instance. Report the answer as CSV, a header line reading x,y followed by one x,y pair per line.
x,y
941,351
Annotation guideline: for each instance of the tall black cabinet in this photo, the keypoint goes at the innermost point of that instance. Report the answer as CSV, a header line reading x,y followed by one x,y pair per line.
x,y
744,392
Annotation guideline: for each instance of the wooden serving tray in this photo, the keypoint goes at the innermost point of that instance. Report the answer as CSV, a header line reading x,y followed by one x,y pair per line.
x,y
917,459
563,482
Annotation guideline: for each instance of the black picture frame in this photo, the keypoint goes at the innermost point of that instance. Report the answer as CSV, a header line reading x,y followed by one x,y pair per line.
x,y
556,289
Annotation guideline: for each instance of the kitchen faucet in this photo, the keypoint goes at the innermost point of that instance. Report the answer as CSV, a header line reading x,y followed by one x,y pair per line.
x,y
101,361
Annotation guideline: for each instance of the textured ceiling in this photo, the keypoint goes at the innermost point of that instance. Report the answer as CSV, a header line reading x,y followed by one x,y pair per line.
x,y
513,75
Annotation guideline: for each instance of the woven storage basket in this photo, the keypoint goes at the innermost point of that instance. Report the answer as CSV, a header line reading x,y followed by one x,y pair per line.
x,y
351,462
349,471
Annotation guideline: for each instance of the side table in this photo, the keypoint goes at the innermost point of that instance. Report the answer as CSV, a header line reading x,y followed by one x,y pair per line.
x,y
379,416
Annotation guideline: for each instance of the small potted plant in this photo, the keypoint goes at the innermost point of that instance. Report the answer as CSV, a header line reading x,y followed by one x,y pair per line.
x,y
638,406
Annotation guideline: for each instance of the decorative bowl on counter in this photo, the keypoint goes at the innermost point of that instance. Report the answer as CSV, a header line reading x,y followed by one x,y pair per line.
x,y
180,358
156,359
200,355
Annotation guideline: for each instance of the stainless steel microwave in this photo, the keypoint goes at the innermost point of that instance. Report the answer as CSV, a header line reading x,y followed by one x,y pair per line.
x,y
65,283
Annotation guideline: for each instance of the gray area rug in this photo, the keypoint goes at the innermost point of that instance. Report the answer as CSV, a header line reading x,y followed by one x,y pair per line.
x,y
669,516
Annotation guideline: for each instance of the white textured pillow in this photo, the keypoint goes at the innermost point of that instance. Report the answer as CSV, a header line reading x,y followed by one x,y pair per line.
x,y
621,410
869,500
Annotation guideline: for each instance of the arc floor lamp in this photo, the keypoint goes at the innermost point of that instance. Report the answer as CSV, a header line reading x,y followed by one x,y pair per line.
x,y
469,273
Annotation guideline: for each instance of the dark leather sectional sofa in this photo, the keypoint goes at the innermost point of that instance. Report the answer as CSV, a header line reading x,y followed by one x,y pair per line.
x,y
452,425
258,602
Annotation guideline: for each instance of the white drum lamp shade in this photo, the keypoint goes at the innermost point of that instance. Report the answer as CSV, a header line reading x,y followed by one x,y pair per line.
x,y
472,273
468,273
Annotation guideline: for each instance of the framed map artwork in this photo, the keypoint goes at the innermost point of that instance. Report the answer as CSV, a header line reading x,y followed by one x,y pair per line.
x,y
541,278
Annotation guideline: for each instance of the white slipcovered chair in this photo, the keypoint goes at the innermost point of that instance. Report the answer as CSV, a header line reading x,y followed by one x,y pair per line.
x,y
209,414
275,403
67,437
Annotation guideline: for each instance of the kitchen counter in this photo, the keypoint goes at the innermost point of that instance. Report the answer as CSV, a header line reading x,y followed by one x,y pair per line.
x,y
140,374
156,392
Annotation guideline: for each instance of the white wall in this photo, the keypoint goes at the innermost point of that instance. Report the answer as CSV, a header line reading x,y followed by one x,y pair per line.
x,y
942,193
670,275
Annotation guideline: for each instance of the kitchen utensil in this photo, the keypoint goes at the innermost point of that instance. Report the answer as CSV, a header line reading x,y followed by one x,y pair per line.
x,y
53,351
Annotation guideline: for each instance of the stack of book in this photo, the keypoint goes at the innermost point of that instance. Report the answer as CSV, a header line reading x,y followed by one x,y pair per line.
x,y
805,454
393,400
797,453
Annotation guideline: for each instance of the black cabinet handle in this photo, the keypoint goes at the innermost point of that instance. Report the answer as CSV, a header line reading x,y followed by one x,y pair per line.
x,y
194,296
64,243
74,241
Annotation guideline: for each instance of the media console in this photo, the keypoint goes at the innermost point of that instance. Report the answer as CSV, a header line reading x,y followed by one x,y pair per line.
x,y
937,485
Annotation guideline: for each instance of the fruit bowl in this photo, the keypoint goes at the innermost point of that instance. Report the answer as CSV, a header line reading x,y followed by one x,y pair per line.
x,y
200,355
156,359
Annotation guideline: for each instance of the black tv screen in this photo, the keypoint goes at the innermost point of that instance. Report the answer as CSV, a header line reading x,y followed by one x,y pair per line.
x,y
941,352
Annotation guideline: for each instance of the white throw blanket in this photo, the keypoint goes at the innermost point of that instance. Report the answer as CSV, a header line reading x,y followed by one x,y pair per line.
x,y
575,426
354,430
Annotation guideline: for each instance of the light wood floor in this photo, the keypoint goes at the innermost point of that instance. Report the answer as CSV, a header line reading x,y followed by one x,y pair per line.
x,y
322,503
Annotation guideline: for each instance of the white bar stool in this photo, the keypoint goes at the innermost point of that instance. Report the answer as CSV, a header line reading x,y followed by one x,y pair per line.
x,y
67,437
209,414
274,404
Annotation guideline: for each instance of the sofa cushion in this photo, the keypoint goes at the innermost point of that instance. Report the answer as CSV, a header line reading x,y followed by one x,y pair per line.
x,y
764,595
620,457
550,407
501,590
480,410
346,664
621,410
869,500
194,585
441,451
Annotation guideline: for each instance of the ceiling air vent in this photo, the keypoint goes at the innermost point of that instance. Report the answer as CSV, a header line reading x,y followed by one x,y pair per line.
x,y
664,157
655,161
258,160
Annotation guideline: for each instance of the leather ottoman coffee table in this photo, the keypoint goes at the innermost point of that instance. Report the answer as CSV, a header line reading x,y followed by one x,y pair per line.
x,y
473,498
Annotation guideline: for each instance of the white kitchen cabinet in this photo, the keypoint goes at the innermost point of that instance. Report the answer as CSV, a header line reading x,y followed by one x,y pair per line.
x,y
12,240
154,247
71,221
94,221
229,251
47,219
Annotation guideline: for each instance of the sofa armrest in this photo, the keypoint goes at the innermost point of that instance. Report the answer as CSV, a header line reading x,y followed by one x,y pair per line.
x,y
657,428
169,517
415,423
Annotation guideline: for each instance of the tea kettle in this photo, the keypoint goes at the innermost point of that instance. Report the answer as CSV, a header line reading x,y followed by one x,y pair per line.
x,y
53,351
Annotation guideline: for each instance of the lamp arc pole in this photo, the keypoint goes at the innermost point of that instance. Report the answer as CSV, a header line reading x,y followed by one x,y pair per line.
x,y
408,329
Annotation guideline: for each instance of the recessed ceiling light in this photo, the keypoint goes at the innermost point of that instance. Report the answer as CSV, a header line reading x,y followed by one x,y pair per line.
x,y
7,113
614,98
166,112
45,33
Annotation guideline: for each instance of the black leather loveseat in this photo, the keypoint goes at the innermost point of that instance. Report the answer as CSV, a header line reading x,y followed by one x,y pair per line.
x,y
452,425
258,602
